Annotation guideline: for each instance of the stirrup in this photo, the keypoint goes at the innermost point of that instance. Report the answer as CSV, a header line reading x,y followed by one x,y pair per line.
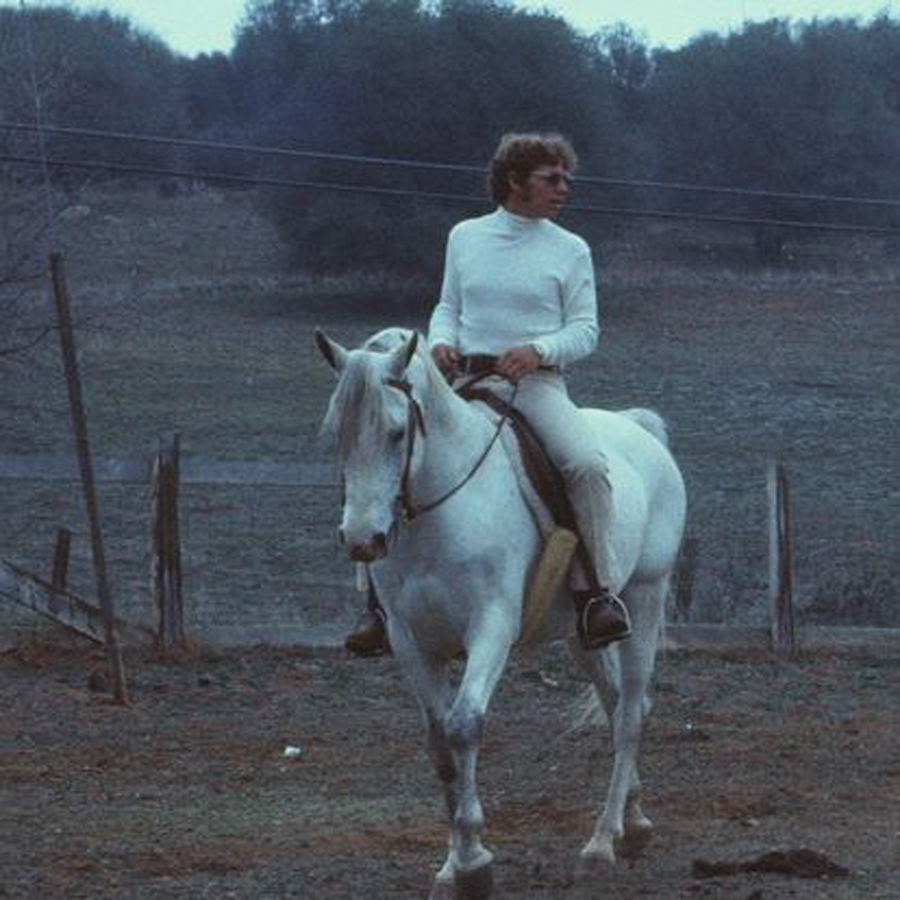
x,y
602,619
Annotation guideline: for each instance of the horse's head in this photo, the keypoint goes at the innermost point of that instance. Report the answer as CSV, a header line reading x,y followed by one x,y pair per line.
x,y
374,414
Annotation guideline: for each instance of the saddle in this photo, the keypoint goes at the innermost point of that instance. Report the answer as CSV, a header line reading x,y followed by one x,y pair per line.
x,y
544,476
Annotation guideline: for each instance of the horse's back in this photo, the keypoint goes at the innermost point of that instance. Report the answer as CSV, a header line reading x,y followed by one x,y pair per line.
x,y
649,495
638,436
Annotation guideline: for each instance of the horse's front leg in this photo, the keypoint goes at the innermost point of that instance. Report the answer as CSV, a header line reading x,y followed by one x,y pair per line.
x,y
430,681
454,742
464,729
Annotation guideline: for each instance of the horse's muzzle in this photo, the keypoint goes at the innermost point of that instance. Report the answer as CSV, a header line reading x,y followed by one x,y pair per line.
x,y
370,552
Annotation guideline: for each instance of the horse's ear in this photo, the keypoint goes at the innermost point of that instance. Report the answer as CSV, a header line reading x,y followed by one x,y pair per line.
x,y
403,355
335,355
411,349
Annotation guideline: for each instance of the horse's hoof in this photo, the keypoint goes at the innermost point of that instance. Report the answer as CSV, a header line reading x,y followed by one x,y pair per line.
x,y
474,884
635,840
598,853
441,890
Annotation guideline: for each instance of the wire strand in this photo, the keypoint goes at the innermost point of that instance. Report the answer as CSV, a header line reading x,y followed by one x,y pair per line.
x,y
469,199
446,167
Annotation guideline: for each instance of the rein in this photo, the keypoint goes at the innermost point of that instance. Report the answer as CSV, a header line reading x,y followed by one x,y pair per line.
x,y
416,420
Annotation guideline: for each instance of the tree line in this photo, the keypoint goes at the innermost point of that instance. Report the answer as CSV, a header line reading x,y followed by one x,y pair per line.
x,y
775,107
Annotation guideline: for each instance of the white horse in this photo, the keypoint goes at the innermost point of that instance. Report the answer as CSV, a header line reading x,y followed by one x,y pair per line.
x,y
451,544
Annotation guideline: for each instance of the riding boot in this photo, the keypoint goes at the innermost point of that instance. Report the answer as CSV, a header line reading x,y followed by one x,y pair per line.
x,y
369,635
602,618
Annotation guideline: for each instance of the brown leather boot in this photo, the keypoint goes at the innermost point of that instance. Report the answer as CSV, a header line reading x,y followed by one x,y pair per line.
x,y
602,618
369,636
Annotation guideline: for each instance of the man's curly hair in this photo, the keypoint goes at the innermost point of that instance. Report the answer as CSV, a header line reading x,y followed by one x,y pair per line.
x,y
521,154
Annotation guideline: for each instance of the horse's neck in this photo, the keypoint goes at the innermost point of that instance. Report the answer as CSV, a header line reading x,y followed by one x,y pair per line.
x,y
453,447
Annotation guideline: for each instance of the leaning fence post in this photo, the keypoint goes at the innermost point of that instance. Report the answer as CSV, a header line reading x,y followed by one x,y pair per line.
x,y
166,552
780,561
82,446
60,578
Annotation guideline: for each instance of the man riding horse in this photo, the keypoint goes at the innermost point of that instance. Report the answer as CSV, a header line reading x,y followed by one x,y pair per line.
x,y
518,304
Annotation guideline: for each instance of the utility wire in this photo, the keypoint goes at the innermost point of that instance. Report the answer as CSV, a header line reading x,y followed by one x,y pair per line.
x,y
439,167
469,199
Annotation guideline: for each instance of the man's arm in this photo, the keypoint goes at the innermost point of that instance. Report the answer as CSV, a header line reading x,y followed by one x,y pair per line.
x,y
578,336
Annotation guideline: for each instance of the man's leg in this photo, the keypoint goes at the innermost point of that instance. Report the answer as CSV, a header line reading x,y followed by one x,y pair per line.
x,y
543,399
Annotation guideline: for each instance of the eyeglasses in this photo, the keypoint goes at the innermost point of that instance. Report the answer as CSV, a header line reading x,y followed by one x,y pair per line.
x,y
554,179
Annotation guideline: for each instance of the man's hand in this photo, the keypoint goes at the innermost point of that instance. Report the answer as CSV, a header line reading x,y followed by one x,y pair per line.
x,y
515,364
446,359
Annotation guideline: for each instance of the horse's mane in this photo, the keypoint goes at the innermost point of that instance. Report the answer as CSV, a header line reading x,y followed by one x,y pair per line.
x,y
359,393
360,389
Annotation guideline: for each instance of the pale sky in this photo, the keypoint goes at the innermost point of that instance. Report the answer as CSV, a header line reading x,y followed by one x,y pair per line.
x,y
208,25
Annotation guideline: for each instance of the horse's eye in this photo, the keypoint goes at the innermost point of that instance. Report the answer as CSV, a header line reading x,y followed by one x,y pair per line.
x,y
395,435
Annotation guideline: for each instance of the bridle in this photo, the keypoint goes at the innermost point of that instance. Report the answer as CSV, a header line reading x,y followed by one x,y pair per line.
x,y
409,510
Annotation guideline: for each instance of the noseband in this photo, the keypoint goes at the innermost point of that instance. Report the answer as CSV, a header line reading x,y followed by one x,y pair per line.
x,y
416,421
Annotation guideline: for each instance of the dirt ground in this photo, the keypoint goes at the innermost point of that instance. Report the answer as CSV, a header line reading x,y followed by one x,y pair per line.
x,y
188,791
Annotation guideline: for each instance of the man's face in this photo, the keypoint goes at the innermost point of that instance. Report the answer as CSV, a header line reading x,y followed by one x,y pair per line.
x,y
543,193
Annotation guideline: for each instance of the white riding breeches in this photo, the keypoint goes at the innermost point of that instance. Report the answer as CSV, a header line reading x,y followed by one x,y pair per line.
x,y
572,446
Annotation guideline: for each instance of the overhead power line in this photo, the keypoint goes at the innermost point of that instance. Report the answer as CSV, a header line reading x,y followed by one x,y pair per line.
x,y
264,180
469,199
257,150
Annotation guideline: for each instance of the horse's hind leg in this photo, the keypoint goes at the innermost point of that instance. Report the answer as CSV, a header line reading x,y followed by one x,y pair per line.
x,y
622,824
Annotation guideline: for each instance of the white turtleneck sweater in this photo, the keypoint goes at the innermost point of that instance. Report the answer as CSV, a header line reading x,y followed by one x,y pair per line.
x,y
510,281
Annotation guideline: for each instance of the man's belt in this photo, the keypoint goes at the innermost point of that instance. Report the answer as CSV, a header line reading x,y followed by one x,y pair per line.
x,y
477,364
481,363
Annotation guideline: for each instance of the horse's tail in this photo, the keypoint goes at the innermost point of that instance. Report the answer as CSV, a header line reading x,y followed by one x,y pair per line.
x,y
649,421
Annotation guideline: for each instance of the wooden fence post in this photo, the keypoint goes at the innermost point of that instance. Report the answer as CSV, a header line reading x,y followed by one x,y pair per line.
x,y
166,552
60,578
86,466
780,561
685,575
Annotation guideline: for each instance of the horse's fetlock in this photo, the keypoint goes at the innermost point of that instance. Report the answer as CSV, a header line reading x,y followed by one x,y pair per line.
x,y
469,820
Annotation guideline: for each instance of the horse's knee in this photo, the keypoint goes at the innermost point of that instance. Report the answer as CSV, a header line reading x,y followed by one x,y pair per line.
x,y
464,728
